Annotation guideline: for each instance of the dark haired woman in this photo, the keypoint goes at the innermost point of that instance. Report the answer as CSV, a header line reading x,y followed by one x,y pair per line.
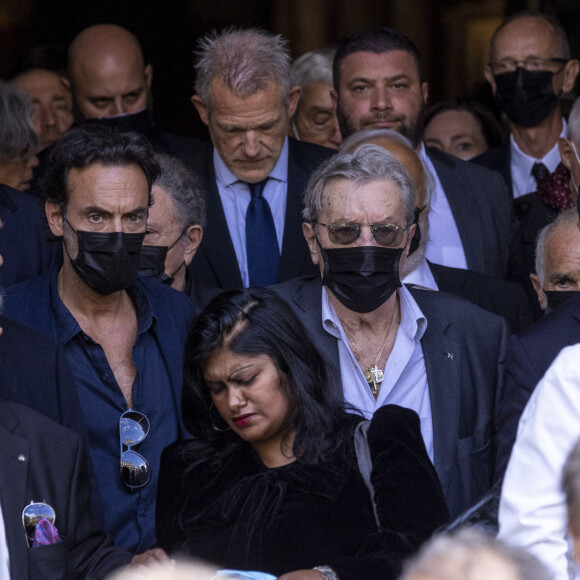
x,y
272,480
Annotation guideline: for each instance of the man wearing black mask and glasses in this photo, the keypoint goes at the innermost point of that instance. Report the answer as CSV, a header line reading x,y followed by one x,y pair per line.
x,y
123,335
428,351
529,69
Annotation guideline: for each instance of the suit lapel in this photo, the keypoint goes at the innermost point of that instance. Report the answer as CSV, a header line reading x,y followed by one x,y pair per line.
x,y
443,364
466,215
217,245
13,492
294,247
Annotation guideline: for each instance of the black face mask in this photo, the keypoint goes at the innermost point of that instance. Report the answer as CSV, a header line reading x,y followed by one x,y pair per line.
x,y
107,261
139,122
362,277
527,97
152,263
556,298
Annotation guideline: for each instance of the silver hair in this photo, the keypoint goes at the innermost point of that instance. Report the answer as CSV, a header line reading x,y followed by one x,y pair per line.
x,y
359,138
566,218
245,61
571,487
573,129
464,555
185,190
367,164
17,135
314,66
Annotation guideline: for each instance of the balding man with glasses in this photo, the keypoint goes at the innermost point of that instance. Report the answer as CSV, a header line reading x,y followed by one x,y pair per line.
x,y
388,344
530,68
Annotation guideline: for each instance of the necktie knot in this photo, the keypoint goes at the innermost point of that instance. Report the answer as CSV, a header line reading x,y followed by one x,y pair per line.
x,y
257,189
540,172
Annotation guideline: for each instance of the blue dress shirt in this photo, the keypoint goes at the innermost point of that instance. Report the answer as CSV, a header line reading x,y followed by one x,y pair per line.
x,y
162,319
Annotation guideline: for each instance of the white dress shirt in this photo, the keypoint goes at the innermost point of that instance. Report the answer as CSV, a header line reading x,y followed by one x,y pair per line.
x,y
235,197
405,375
4,554
444,246
521,165
532,511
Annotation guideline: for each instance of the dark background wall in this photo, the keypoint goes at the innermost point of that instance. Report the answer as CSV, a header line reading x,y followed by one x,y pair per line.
x,y
452,35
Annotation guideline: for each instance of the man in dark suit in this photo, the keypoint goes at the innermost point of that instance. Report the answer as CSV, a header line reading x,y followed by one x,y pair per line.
x,y
530,67
253,174
379,84
428,351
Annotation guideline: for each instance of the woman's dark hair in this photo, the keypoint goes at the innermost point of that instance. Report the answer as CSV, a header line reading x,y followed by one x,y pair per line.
x,y
256,321
494,132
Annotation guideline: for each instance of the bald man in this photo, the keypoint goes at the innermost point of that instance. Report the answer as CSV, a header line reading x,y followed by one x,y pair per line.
x,y
492,294
111,83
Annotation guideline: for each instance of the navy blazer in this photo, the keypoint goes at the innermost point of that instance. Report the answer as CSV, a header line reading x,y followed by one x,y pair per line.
x,y
529,356
215,263
24,237
43,461
464,388
499,159
34,372
481,207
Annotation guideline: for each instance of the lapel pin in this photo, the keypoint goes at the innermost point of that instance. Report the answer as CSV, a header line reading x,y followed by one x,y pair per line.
x,y
449,355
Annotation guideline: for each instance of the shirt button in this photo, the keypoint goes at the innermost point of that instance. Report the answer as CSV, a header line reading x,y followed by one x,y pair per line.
x,y
106,377
142,514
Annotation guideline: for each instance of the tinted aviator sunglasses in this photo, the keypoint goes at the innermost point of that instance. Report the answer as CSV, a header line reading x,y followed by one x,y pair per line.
x,y
345,233
133,429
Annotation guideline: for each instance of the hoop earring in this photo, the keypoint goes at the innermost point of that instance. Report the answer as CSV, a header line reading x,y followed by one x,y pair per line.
x,y
213,423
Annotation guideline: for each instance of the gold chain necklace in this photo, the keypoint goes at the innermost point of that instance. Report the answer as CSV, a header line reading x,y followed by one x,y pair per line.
x,y
373,375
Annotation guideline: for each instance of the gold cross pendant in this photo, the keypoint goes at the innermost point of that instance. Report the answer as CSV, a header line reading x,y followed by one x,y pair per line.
x,y
374,377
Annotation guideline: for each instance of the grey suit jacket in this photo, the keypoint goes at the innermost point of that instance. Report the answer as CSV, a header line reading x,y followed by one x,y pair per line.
x,y
43,461
465,352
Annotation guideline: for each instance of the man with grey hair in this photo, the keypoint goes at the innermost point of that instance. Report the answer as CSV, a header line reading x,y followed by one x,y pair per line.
x,y
315,117
470,554
493,294
174,225
388,344
253,174
557,277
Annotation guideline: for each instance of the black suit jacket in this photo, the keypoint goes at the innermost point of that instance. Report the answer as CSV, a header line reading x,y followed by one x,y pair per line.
x,y
465,350
215,263
34,372
24,237
529,356
481,207
499,159
492,294
42,461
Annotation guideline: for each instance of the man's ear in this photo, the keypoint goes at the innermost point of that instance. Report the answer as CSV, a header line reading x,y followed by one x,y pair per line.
x,y
293,99
425,91
410,235
570,73
542,299
148,75
490,78
201,108
310,237
193,236
54,217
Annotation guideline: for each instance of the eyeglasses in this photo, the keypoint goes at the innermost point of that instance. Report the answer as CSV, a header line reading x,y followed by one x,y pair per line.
x,y
133,428
345,233
531,63
32,514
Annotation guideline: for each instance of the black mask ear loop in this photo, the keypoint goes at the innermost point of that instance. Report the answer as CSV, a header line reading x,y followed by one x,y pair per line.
x,y
416,239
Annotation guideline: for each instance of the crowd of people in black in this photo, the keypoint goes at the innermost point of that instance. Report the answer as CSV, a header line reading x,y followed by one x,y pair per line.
x,y
336,340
